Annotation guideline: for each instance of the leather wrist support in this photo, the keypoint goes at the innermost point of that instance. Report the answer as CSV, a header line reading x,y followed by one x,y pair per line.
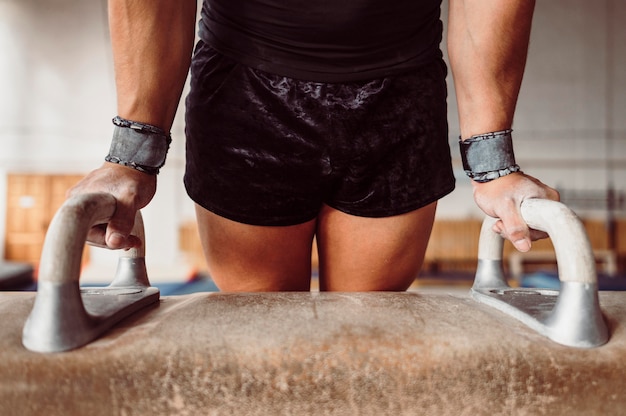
x,y
488,156
137,145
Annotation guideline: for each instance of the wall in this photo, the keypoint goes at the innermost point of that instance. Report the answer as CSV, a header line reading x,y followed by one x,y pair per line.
x,y
57,98
570,124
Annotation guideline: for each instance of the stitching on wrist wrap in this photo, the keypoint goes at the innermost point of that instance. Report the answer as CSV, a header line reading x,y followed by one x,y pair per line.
x,y
140,146
488,156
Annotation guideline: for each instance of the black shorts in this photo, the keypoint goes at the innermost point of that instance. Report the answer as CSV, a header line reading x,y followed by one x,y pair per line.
x,y
264,149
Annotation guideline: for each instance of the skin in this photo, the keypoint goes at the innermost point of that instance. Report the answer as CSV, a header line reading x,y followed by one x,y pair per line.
x,y
487,62
355,253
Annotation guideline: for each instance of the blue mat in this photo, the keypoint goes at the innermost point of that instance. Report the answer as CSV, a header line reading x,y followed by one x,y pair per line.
x,y
198,284
550,280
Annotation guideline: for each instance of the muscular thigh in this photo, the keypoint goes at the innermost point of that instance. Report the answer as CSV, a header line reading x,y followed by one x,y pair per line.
x,y
251,258
367,254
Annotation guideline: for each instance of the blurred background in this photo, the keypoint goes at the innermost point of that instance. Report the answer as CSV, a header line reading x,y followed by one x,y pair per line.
x,y
57,98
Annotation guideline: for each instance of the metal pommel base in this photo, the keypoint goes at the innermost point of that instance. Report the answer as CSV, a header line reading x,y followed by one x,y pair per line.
x,y
65,316
570,317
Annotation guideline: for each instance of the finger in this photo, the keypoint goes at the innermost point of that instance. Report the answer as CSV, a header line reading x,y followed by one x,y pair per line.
x,y
498,228
119,228
515,230
133,241
537,235
96,236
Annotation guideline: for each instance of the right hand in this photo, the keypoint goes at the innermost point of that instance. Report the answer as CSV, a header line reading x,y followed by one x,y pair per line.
x,y
502,198
132,189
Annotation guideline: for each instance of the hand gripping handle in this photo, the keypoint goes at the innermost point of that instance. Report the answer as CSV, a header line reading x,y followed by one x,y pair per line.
x,y
66,236
64,316
573,251
576,318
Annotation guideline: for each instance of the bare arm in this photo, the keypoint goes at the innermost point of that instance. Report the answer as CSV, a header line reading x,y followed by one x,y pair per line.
x,y
152,42
487,45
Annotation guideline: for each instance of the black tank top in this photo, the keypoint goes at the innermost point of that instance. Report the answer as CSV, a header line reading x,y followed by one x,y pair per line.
x,y
325,40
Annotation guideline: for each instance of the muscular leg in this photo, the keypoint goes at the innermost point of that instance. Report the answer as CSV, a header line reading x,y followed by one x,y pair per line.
x,y
356,253
248,258
366,254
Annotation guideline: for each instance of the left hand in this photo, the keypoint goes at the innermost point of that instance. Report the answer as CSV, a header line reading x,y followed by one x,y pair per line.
x,y
502,199
132,190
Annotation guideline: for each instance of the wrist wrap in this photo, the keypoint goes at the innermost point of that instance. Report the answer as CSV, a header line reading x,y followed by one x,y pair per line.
x,y
488,156
138,145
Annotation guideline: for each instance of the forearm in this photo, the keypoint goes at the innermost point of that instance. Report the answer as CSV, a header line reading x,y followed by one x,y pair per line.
x,y
152,41
487,47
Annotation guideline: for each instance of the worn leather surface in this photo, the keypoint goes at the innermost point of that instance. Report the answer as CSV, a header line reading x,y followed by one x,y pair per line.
x,y
311,353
